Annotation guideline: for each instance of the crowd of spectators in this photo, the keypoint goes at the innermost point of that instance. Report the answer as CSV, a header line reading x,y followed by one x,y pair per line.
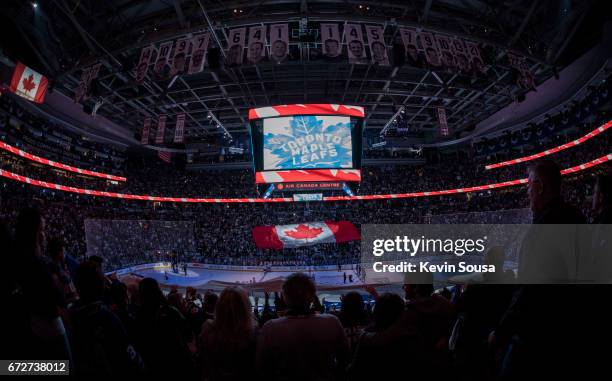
x,y
216,224
221,233
40,136
575,119
457,171
212,226
106,328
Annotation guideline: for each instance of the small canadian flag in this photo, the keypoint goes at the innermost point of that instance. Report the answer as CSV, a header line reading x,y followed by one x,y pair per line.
x,y
29,84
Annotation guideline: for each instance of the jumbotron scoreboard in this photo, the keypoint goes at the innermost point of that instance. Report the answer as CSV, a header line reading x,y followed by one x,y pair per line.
x,y
307,147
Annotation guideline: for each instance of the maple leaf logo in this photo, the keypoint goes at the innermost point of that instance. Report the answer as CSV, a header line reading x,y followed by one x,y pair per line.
x,y
303,232
28,83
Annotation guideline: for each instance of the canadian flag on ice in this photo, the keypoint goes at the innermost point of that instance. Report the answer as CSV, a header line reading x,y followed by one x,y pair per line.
x,y
304,234
29,84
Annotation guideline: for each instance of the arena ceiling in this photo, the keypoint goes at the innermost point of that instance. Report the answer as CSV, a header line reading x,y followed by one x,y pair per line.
x,y
66,36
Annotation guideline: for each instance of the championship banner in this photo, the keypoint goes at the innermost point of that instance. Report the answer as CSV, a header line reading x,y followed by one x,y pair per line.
x,y
161,128
161,63
181,49
431,50
199,44
279,42
143,63
257,42
304,234
442,120
179,131
446,55
29,84
376,40
409,39
236,39
144,137
354,40
330,40
460,52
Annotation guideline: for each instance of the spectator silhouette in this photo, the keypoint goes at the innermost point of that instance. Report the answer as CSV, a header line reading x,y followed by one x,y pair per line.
x,y
302,345
387,343
479,309
100,342
227,350
59,270
41,301
544,190
536,333
159,335
353,317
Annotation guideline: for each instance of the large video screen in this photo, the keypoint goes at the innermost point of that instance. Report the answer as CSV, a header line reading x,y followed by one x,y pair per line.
x,y
307,142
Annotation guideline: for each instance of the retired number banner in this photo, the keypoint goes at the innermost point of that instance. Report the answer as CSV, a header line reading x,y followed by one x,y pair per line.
x,y
143,63
354,41
279,42
460,53
235,48
376,40
257,44
409,38
330,39
199,44
446,54
87,76
79,92
478,66
179,59
431,50
161,64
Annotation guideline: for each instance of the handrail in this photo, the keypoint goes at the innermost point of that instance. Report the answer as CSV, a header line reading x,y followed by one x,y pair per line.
x,y
14,150
551,151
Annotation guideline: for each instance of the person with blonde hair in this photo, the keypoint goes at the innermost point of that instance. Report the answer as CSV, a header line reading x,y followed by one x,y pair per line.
x,y
227,343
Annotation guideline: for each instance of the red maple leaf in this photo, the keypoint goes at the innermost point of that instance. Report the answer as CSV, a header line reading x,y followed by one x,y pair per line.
x,y
28,83
303,232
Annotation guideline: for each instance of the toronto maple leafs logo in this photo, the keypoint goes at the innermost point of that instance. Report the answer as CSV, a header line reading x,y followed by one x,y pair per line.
x,y
304,142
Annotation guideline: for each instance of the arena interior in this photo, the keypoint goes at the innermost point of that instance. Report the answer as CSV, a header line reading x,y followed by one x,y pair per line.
x,y
186,187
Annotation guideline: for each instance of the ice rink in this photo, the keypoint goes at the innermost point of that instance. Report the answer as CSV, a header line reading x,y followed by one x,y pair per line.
x,y
255,280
